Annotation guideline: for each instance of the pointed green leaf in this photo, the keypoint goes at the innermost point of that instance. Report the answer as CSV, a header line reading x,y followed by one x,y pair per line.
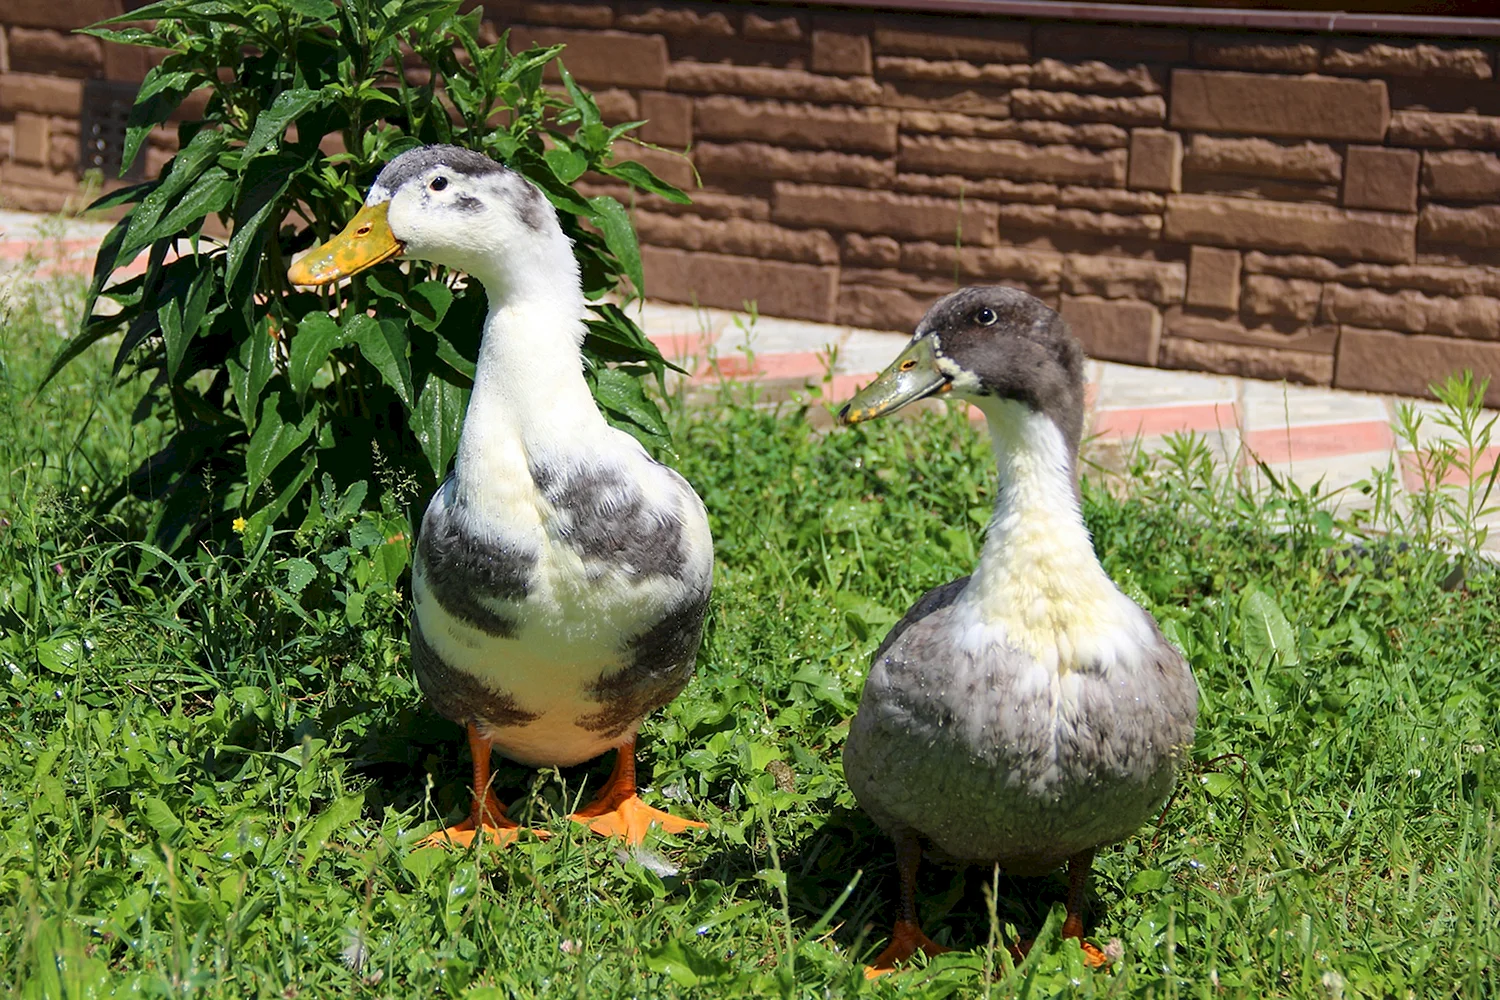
x,y
633,172
211,193
160,817
317,335
437,419
384,346
251,368
567,164
264,181
281,431
614,222
190,162
169,317
272,122
265,516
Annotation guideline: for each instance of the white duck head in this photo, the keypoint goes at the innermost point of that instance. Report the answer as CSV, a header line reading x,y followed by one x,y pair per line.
x,y
456,207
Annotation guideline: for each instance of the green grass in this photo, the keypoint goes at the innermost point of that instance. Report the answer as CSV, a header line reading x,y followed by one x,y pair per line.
x,y
213,771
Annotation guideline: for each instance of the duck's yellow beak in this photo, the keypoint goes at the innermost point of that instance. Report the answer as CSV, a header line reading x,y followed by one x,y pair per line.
x,y
912,376
366,241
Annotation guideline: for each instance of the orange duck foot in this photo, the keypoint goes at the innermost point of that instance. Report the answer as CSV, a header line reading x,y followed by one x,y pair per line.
x,y
499,829
630,818
1093,956
906,940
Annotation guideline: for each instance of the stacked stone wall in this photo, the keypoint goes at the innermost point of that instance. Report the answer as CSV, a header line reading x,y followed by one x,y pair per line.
x,y
1320,208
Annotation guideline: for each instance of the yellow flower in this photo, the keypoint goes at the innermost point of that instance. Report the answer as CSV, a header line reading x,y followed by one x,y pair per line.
x,y
240,524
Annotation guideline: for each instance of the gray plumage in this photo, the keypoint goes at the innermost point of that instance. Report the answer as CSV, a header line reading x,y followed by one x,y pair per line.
x,y
963,738
945,745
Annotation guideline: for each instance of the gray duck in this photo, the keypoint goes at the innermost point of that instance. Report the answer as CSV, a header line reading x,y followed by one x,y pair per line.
x,y
561,575
1030,713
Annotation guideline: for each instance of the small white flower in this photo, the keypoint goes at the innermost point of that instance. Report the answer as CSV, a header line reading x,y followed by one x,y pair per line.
x,y
570,947
1415,772
1333,985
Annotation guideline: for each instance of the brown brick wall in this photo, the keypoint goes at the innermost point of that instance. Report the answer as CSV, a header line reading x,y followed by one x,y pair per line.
x,y
1313,207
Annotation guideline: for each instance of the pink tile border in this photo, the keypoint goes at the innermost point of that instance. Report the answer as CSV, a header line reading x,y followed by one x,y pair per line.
x,y
791,365
1154,421
1298,444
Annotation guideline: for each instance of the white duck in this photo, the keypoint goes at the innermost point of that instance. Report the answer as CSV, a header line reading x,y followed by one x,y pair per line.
x,y
561,575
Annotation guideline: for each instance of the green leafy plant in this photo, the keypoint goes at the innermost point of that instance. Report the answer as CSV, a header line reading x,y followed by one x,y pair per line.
x,y
1454,466
268,386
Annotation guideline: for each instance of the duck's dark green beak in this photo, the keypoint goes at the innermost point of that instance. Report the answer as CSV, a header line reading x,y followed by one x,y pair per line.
x,y
913,375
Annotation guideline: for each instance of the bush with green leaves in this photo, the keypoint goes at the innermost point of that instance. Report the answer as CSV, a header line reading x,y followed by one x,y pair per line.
x,y
272,389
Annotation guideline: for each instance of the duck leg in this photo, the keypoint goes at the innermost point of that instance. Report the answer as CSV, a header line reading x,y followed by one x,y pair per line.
x,y
1078,880
487,815
906,937
619,812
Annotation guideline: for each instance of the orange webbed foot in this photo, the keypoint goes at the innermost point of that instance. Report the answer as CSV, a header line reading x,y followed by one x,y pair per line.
x,y
494,826
464,834
1093,956
906,940
619,812
630,818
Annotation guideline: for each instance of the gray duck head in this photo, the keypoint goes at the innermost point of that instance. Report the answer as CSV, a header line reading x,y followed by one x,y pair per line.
x,y
981,343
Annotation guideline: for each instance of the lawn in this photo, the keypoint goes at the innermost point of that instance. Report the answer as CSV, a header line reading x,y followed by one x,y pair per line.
x,y
214,769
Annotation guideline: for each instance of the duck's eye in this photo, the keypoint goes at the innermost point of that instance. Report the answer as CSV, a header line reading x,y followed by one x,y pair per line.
x,y
985,317
438,183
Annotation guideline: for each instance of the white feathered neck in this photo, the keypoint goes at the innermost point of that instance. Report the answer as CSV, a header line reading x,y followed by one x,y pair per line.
x,y
1038,581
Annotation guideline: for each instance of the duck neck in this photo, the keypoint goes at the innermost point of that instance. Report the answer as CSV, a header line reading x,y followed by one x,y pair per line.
x,y
530,402
1038,578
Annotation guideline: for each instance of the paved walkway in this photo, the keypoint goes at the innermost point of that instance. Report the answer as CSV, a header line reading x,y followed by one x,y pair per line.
x,y
1304,434
1307,435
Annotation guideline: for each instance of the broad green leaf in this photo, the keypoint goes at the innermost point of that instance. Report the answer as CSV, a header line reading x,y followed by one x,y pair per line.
x,y
160,817
383,345
272,122
1146,881
181,319
314,10
684,965
1266,631
281,431
339,814
299,573
567,164
621,395
317,335
429,302
437,419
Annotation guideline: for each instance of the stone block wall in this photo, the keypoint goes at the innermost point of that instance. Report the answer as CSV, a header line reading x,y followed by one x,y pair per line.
x,y
1320,208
